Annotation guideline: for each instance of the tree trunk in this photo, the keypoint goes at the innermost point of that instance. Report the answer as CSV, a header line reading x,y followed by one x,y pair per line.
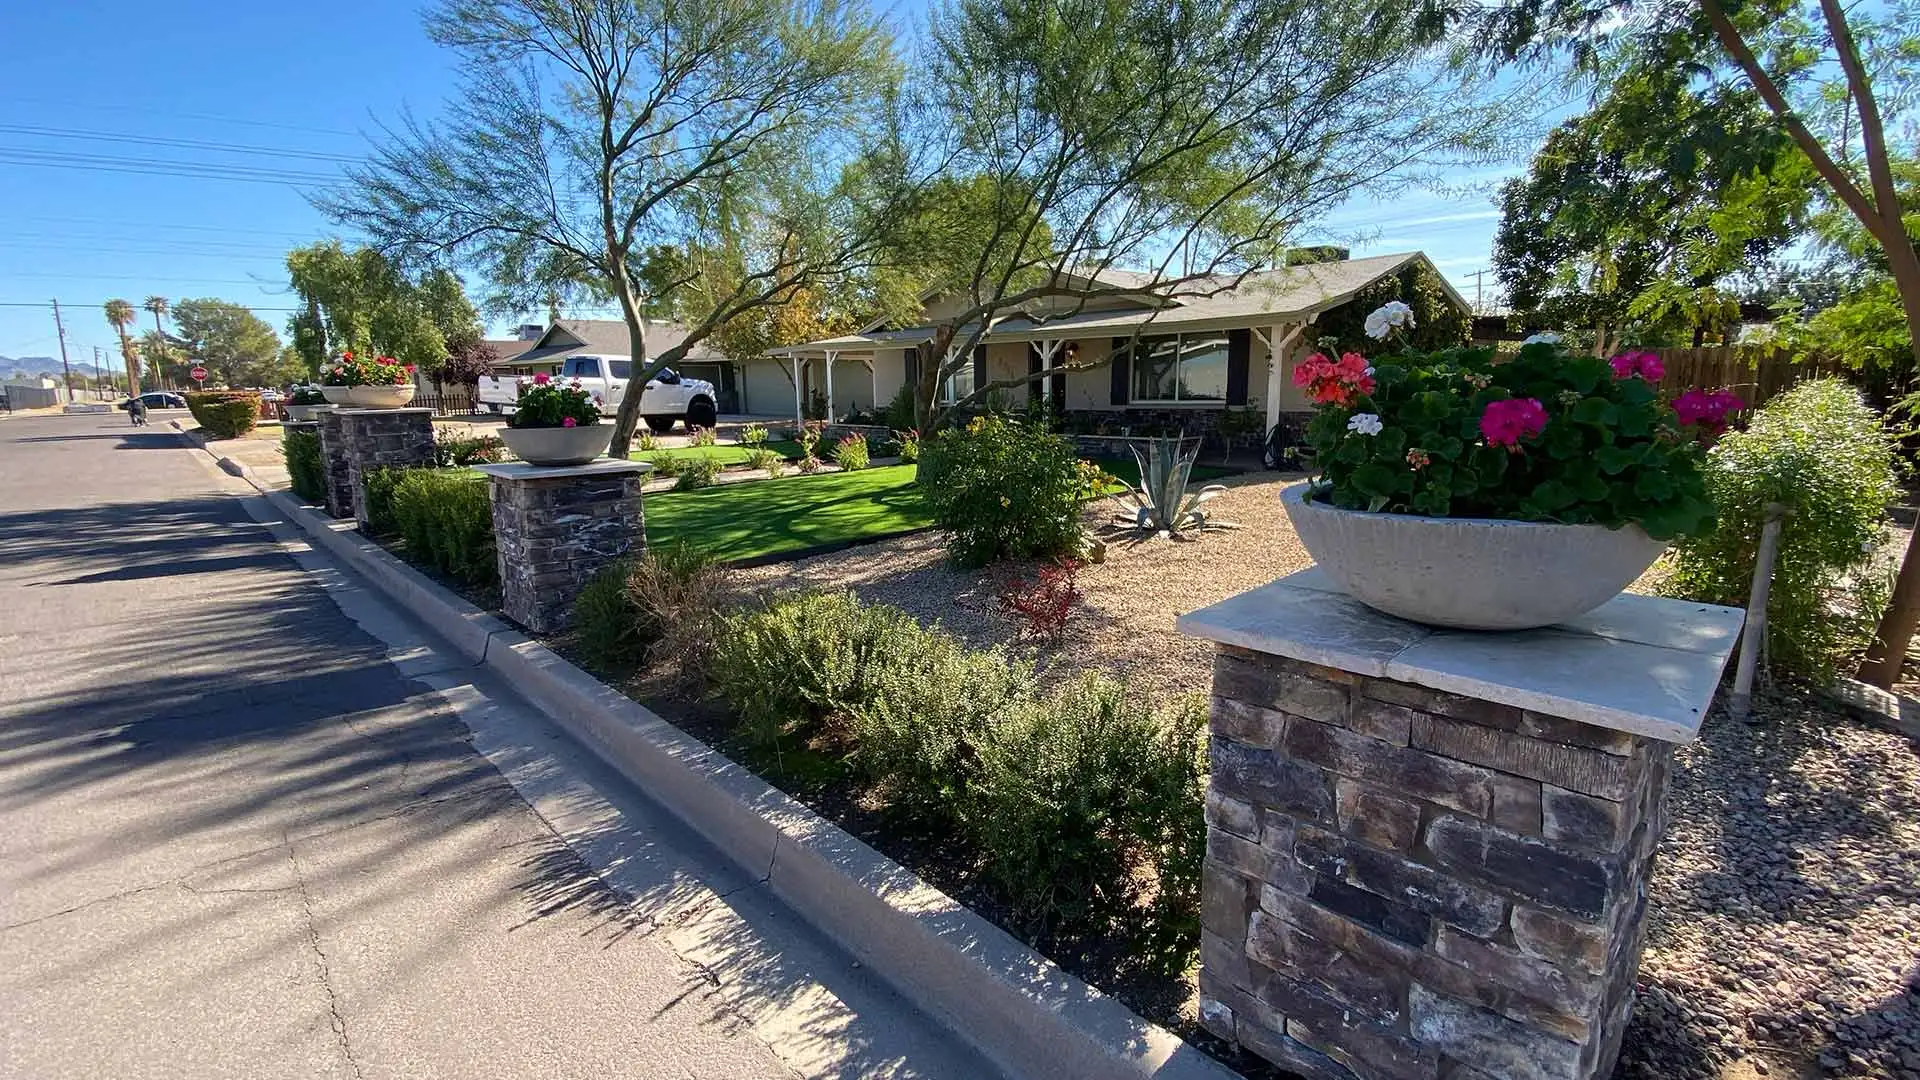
x,y
1889,653
628,415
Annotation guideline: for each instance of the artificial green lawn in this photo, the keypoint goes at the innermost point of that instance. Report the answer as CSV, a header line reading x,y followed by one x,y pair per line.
x,y
765,517
727,454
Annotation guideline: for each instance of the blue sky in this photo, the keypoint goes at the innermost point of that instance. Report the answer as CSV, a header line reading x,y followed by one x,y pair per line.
x,y
108,94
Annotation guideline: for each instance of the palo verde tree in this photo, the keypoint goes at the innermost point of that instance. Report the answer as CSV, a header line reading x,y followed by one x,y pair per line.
x,y
636,148
1169,147
1633,218
1837,80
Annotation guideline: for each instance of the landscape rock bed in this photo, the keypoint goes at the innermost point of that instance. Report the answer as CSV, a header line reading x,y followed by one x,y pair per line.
x,y
1785,919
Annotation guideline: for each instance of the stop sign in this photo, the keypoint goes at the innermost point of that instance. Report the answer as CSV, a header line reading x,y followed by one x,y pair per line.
x,y
198,374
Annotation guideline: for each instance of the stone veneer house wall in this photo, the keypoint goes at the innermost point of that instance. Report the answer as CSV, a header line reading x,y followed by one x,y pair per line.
x,y
1127,361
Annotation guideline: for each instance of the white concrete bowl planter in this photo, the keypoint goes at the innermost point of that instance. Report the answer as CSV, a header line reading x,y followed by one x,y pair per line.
x,y
370,397
1470,573
558,445
308,412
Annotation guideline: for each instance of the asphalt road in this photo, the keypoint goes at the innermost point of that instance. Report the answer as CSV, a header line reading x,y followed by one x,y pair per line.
x,y
255,824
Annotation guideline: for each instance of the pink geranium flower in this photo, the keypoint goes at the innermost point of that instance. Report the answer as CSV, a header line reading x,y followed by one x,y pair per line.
x,y
569,422
1505,423
541,378
1708,410
1644,364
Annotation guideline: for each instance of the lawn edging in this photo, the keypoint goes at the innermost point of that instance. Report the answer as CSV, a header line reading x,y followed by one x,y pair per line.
x,y
1017,1008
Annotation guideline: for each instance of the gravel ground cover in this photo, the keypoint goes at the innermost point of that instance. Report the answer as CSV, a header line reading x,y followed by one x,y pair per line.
x,y
1784,935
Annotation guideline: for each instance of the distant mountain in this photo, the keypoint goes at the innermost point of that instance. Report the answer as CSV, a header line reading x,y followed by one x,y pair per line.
x,y
28,365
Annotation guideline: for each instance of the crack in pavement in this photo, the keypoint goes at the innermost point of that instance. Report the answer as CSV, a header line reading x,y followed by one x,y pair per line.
x,y
334,1016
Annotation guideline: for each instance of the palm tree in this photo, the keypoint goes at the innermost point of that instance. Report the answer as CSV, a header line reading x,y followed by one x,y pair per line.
x,y
159,306
120,314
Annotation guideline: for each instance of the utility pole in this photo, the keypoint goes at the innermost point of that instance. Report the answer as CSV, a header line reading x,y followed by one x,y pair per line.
x,y
97,372
64,368
1479,292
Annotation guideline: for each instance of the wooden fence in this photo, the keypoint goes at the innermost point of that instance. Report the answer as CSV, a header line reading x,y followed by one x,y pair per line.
x,y
1756,374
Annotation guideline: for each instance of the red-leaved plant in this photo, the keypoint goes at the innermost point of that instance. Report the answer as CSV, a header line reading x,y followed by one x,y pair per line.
x,y
1046,601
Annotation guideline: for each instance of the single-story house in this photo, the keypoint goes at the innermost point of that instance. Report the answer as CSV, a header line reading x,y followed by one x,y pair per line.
x,y
608,337
1128,358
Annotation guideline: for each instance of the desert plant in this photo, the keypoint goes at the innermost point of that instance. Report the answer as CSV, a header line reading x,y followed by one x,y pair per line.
x,y
698,472
753,435
907,444
224,414
1044,603
1003,488
668,464
762,458
446,518
851,453
306,472
1163,505
644,441
1821,453
701,436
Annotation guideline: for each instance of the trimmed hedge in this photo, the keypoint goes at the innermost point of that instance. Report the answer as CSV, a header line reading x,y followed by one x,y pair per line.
x,y
224,414
446,518
305,468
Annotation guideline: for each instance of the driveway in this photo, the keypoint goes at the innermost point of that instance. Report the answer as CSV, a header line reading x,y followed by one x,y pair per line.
x,y
255,824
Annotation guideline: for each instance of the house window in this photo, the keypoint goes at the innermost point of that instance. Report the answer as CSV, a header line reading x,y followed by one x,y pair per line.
x,y
958,385
1180,367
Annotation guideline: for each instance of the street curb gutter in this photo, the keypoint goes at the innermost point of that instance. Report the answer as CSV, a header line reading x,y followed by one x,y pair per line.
x,y
1018,1009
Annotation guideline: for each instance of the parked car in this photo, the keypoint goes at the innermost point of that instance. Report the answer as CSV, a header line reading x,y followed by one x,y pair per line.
x,y
667,399
270,395
157,399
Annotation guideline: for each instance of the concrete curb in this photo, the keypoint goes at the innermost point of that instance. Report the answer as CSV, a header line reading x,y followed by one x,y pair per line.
x,y
1018,1009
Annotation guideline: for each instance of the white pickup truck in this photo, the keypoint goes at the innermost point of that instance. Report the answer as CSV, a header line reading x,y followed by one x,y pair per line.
x,y
667,398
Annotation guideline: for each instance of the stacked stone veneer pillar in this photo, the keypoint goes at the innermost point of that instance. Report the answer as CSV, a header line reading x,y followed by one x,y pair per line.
x,y
333,458
381,439
1412,883
554,528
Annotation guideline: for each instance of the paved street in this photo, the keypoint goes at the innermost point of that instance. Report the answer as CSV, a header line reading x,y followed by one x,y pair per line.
x,y
255,824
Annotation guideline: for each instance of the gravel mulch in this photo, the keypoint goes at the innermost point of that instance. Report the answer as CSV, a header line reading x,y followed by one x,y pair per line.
x,y
1785,911
1124,622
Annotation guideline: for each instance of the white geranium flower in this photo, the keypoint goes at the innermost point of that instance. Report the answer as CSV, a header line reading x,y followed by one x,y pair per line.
x,y
1542,338
1388,317
1365,423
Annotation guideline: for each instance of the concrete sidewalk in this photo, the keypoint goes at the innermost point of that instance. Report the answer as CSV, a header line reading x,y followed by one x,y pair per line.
x,y
254,823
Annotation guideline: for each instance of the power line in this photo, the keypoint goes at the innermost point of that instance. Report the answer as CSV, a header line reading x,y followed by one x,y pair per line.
x,y
183,144
193,170
209,117
60,220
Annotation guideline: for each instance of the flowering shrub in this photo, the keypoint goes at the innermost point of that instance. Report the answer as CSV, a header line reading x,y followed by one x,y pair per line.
x,y
909,445
1003,488
851,452
1548,435
701,436
544,403
351,370
753,435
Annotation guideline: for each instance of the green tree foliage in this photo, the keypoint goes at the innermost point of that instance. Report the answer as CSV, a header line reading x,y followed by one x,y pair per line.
x,y
633,149
1438,322
1633,216
1179,138
357,300
235,346
1819,451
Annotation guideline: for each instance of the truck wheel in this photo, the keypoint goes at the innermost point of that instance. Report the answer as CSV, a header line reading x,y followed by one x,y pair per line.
x,y
659,425
700,413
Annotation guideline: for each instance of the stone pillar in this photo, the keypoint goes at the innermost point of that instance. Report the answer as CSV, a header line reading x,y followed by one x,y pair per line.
x,y
1428,850
556,527
383,439
333,455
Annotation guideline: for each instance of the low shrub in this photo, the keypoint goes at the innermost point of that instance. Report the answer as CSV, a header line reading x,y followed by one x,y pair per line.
x,y
446,518
224,414
900,413
907,445
702,436
1066,798
1003,488
643,440
661,605
1819,450
668,464
306,471
451,449
753,435
851,453
698,472
762,458
1044,604
377,486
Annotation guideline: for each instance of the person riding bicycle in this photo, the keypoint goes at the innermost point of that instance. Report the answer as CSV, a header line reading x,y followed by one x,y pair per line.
x,y
137,409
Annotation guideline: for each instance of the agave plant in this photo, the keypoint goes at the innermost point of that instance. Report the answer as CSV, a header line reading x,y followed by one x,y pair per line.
x,y
1162,505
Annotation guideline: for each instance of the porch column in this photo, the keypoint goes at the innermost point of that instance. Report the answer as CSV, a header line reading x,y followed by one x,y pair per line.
x,y
799,410
831,357
1048,351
